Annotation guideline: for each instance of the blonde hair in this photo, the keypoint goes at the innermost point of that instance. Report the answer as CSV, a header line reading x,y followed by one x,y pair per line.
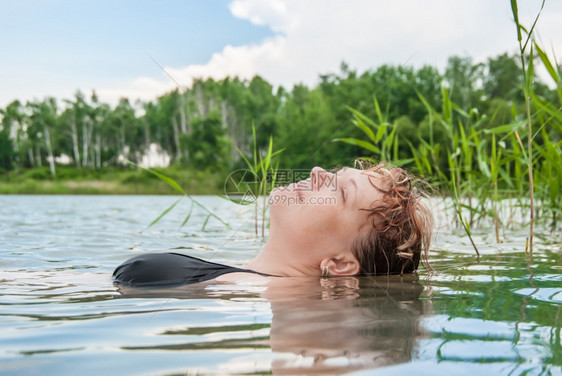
x,y
401,224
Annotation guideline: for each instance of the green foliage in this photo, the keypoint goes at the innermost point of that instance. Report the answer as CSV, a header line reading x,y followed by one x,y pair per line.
x,y
477,131
108,180
484,151
462,76
202,126
504,78
306,125
41,173
382,138
193,202
262,175
208,144
7,154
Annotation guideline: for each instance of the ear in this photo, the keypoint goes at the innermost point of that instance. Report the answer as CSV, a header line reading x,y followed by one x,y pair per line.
x,y
342,264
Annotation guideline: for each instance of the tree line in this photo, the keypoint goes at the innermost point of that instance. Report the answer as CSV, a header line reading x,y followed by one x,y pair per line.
x,y
207,125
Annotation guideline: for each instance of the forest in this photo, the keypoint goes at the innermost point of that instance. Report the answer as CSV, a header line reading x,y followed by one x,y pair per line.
x,y
417,115
203,126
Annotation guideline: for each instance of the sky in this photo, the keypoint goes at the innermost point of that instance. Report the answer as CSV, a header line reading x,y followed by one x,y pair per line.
x,y
130,48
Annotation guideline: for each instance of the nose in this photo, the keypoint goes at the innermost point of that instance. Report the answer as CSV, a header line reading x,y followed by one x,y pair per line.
x,y
317,175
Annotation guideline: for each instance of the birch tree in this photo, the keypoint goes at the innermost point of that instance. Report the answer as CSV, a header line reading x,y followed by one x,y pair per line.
x,y
13,124
42,122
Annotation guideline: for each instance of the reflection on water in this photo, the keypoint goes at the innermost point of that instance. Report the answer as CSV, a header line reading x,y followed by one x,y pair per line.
x,y
59,311
349,324
322,326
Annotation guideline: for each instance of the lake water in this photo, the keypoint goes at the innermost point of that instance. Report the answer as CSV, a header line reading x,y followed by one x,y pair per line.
x,y
61,314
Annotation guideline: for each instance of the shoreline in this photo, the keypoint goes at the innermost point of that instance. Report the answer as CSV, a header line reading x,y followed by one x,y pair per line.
x,y
110,182
97,187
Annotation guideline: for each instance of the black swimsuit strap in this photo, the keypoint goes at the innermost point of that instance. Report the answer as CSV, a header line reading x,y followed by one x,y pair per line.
x,y
166,269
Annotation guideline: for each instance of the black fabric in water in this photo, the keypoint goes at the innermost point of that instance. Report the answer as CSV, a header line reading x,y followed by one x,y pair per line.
x,y
165,269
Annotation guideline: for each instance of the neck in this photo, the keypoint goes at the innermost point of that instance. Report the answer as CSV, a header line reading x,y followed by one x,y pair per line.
x,y
272,261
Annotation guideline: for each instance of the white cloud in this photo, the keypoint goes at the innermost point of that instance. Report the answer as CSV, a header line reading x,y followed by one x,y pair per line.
x,y
315,36
272,13
143,88
242,61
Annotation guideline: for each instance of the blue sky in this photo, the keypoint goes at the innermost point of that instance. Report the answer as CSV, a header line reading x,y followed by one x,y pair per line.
x,y
87,44
54,47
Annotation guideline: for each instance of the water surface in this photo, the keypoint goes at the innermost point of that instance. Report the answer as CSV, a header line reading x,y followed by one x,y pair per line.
x,y
61,314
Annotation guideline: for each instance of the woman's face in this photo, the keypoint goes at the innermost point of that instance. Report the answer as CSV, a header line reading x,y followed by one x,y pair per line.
x,y
321,216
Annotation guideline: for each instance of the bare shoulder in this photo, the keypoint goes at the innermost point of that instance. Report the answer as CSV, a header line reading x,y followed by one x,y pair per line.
x,y
250,278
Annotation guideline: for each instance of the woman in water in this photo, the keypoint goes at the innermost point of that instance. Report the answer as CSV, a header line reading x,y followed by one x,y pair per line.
x,y
368,220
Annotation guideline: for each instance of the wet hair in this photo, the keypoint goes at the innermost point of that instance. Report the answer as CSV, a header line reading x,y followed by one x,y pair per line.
x,y
400,223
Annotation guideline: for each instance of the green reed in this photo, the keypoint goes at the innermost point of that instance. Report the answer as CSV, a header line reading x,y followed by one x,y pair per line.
x,y
193,202
263,172
528,72
519,162
550,117
382,138
263,169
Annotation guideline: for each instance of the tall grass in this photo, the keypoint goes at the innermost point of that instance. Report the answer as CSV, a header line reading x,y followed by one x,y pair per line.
x,y
382,139
192,201
263,169
528,73
519,162
263,173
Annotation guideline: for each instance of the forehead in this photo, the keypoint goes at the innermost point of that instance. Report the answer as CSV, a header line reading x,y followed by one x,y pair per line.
x,y
364,184
372,177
